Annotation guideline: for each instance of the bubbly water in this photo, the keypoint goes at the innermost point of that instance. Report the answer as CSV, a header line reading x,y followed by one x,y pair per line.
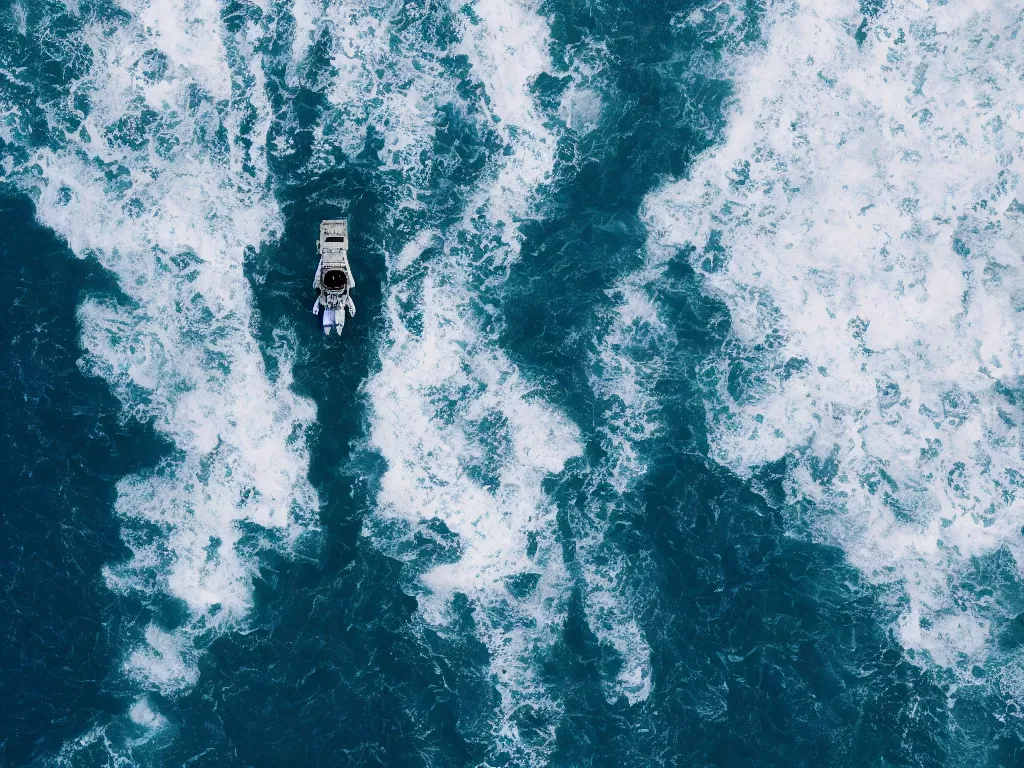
x,y
679,424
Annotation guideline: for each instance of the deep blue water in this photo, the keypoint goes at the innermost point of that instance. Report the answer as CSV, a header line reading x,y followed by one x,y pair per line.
x,y
567,491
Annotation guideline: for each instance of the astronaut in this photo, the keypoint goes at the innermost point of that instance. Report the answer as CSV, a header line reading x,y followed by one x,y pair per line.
x,y
334,299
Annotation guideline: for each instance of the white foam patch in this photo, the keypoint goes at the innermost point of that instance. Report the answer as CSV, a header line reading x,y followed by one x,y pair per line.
x,y
305,14
188,33
581,109
10,117
862,221
108,744
166,663
622,377
76,751
622,374
507,45
467,439
468,444
384,74
142,713
19,19
162,189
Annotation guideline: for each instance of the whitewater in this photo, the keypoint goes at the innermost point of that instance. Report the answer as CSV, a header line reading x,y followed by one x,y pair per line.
x,y
138,189
679,424
861,222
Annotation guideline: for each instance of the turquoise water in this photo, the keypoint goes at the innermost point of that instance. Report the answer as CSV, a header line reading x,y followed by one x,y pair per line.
x,y
678,424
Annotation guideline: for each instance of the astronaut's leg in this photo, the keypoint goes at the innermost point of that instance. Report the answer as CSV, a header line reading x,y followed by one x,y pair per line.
x,y
328,320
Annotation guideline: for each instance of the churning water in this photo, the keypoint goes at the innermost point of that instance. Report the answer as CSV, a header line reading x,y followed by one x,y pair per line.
x,y
680,424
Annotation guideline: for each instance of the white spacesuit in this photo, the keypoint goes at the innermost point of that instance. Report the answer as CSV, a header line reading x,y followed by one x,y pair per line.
x,y
334,312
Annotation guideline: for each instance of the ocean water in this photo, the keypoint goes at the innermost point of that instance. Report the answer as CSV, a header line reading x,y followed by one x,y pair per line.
x,y
679,424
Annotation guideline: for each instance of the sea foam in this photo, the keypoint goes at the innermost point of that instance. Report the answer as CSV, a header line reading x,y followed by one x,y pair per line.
x,y
507,65
467,439
862,221
165,184
384,76
624,367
